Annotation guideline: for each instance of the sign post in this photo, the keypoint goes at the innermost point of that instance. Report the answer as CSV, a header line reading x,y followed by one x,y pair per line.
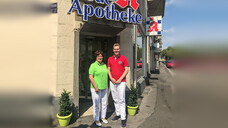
x,y
153,29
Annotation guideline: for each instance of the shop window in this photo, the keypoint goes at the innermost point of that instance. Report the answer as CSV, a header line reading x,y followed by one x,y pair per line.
x,y
139,65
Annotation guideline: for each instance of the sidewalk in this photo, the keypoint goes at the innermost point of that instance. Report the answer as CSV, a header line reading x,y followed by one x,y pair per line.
x,y
146,109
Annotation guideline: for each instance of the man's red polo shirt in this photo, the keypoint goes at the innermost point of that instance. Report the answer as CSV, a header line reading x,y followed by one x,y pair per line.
x,y
117,66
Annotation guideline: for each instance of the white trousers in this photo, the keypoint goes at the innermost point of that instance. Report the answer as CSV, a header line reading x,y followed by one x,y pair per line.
x,y
118,95
97,97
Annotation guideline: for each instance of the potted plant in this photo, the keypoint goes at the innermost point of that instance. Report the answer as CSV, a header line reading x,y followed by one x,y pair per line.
x,y
64,114
132,104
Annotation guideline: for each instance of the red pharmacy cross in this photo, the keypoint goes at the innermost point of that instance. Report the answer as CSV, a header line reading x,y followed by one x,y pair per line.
x,y
123,3
153,26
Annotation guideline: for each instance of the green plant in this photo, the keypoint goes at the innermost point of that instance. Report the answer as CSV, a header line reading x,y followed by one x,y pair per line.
x,y
133,98
64,103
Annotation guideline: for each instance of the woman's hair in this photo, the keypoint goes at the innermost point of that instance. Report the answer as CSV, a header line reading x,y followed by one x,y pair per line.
x,y
98,52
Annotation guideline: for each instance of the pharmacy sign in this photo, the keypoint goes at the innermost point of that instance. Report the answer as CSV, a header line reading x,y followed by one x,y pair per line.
x,y
109,11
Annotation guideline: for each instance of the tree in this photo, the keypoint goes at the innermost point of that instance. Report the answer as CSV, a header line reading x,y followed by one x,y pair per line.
x,y
139,52
168,53
133,98
65,103
164,53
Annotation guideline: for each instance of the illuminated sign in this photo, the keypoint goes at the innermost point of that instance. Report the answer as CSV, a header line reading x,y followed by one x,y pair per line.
x,y
108,11
154,26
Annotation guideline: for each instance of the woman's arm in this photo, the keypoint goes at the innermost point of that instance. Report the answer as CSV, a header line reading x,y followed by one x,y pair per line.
x,y
93,83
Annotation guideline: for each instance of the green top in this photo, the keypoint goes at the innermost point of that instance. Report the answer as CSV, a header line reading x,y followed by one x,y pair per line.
x,y
100,75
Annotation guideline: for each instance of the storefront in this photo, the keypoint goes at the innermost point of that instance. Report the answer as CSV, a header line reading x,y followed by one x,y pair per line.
x,y
77,40
52,50
80,31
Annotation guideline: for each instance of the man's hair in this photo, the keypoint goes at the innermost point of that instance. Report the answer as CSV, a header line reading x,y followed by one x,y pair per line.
x,y
116,44
98,52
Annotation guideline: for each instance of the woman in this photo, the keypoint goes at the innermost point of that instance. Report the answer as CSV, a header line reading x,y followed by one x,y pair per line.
x,y
98,75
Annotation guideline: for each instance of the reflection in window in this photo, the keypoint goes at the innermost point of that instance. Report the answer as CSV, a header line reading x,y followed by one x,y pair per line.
x,y
139,55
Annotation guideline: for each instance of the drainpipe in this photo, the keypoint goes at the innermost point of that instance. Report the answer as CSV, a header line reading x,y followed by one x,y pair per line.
x,y
144,50
135,68
145,65
152,66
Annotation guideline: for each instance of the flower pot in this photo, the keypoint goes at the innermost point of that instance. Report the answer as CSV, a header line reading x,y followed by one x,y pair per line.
x,y
64,120
131,110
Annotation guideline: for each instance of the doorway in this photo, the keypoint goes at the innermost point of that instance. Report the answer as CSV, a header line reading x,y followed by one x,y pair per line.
x,y
88,46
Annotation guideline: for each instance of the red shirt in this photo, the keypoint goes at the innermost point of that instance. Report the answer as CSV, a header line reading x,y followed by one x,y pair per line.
x,y
118,66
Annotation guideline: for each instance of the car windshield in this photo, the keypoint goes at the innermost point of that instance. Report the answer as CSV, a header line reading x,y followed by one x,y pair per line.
x,y
139,62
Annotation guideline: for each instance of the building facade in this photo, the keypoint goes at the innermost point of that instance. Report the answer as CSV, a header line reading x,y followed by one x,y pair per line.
x,y
44,53
74,42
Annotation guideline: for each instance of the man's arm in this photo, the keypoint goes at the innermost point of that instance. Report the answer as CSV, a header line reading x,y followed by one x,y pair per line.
x,y
124,75
110,76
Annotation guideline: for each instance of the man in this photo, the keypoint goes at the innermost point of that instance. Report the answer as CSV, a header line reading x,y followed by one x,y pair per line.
x,y
117,71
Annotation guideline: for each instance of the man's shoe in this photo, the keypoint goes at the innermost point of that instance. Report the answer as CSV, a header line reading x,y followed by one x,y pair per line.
x,y
114,119
123,123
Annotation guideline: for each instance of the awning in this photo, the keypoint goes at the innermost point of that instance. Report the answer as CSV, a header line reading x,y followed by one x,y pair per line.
x,y
102,29
156,7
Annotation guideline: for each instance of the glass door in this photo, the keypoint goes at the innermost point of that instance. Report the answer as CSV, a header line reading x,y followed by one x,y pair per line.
x,y
88,46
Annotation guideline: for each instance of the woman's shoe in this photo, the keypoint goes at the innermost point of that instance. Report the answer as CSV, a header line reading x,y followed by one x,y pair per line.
x,y
98,123
105,121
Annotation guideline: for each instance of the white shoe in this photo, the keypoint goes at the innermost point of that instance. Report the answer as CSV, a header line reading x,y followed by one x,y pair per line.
x,y
98,123
105,121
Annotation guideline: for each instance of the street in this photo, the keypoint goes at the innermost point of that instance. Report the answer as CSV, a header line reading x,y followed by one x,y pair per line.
x,y
187,100
139,72
162,117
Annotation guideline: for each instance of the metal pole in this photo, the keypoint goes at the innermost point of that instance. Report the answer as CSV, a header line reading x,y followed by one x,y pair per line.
x,y
152,66
148,55
144,50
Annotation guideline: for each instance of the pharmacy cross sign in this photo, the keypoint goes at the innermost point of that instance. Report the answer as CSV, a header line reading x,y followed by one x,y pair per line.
x,y
154,26
123,3
109,11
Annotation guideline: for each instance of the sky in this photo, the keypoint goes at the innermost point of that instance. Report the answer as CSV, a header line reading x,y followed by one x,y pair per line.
x,y
195,22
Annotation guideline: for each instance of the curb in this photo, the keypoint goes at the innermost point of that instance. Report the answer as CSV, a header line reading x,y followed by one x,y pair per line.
x,y
146,108
170,72
172,75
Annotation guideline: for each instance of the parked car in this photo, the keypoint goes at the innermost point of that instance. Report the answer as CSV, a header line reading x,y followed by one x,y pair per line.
x,y
163,61
170,64
139,64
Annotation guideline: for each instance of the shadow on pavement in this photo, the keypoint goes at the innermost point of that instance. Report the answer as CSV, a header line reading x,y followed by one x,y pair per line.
x,y
153,78
84,105
89,126
154,74
109,114
157,71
